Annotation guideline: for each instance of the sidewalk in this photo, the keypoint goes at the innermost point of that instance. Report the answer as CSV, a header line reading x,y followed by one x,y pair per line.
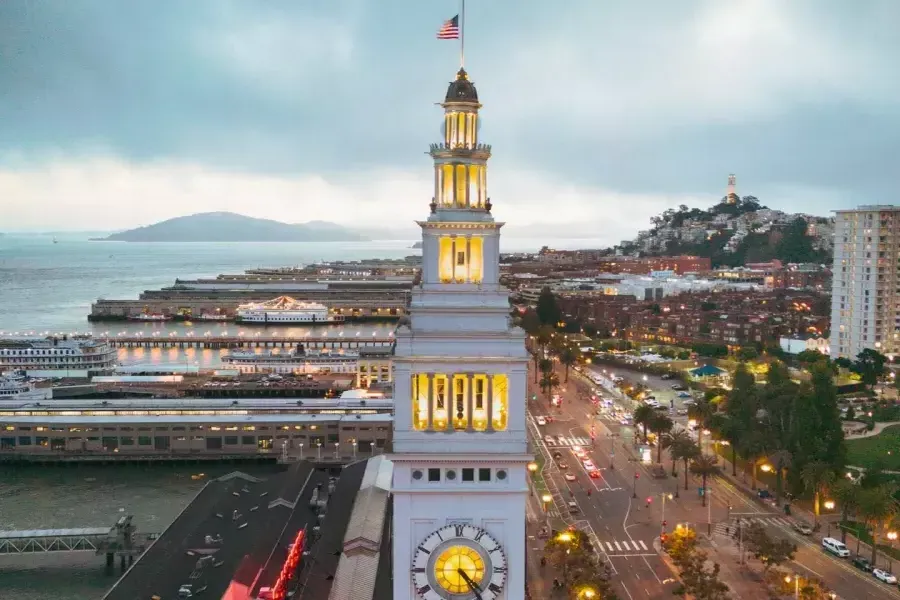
x,y
538,588
798,512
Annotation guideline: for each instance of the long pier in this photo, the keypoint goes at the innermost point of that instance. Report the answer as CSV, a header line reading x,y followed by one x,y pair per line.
x,y
237,341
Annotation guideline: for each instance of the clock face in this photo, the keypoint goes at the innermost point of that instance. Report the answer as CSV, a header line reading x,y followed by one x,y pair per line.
x,y
459,562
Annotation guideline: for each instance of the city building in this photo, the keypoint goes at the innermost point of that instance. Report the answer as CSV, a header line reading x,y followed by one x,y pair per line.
x,y
865,307
798,344
460,448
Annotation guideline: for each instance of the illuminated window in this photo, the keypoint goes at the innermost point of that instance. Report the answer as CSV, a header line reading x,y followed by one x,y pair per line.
x,y
460,414
461,187
447,185
440,402
460,259
479,412
500,403
420,401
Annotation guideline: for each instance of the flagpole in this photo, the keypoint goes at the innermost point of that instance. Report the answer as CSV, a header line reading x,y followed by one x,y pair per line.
x,y
462,34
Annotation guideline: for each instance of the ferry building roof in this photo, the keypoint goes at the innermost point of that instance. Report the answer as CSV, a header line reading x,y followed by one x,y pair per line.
x,y
462,90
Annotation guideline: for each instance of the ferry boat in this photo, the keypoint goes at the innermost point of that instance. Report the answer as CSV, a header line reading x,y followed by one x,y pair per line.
x,y
149,317
297,362
285,309
213,317
16,388
66,356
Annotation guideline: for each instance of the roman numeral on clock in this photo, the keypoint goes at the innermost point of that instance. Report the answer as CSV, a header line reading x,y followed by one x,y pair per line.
x,y
424,589
459,530
499,569
495,588
419,569
423,549
479,535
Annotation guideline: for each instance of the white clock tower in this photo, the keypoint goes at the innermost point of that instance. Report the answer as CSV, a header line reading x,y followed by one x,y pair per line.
x,y
460,447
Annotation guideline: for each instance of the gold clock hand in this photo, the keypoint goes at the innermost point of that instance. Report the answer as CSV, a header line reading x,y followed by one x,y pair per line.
x,y
470,583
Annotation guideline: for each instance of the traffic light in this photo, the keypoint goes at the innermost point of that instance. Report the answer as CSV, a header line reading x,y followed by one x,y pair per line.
x,y
663,537
534,396
637,475
665,523
649,499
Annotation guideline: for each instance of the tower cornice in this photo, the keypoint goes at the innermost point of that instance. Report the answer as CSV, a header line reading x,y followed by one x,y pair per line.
x,y
486,225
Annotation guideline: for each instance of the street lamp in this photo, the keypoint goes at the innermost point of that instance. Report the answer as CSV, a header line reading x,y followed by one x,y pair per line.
x,y
353,443
829,505
546,499
564,537
532,467
796,580
319,451
766,468
337,446
665,497
301,450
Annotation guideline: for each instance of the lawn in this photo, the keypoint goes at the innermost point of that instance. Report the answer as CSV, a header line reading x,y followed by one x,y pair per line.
x,y
885,447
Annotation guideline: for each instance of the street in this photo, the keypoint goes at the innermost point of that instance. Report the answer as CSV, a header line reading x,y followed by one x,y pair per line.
x,y
622,509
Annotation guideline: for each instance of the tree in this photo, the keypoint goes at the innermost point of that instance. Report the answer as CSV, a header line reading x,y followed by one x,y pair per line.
x,y
869,365
771,552
747,353
568,357
549,382
643,416
846,494
701,411
572,555
547,310
672,441
704,466
660,424
686,452
741,406
877,508
817,477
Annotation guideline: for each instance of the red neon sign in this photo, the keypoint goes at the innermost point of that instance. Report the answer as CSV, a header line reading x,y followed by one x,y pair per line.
x,y
279,590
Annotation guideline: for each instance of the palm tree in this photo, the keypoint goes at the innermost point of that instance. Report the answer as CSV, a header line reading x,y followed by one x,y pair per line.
x,y
536,356
817,477
687,452
545,365
660,424
702,412
643,416
543,337
877,508
704,465
568,357
549,382
672,441
846,494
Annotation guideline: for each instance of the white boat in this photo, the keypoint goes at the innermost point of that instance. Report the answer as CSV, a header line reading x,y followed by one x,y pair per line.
x,y
17,388
66,356
149,317
285,309
297,362
213,317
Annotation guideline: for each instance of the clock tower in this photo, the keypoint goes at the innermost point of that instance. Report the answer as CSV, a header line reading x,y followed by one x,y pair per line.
x,y
460,449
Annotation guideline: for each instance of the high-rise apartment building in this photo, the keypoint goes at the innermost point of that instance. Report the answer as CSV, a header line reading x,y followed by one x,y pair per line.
x,y
865,301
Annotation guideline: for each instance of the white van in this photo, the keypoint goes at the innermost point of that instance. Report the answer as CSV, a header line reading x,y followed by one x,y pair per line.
x,y
835,547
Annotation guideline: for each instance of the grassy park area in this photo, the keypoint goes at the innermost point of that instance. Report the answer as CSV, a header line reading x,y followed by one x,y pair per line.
x,y
883,449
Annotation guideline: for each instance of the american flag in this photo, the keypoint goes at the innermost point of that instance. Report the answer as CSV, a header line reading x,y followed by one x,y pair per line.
x,y
449,30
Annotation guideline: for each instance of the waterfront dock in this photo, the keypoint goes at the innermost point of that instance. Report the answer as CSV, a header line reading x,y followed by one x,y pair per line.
x,y
332,342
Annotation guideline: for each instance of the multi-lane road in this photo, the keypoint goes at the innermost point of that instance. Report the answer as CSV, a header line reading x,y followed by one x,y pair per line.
x,y
614,507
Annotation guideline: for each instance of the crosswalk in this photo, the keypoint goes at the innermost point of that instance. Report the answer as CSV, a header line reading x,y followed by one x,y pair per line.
x,y
567,441
728,527
625,547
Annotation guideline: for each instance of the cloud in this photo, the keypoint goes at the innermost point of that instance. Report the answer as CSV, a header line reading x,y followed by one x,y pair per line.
x,y
130,194
595,105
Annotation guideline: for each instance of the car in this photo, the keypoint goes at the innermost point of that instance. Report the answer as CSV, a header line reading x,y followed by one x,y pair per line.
x,y
573,507
562,464
541,420
549,439
548,418
862,564
570,476
660,407
580,453
666,376
884,576
589,465
802,528
595,474
683,395
557,454
678,387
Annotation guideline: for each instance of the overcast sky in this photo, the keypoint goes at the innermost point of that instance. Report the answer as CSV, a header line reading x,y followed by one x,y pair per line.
x,y
601,113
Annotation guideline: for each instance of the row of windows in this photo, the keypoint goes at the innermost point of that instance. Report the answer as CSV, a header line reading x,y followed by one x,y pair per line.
x,y
74,429
181,412
460,402
110,443
468,474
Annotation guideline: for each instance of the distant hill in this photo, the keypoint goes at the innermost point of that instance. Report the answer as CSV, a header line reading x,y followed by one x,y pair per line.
x,y
231,227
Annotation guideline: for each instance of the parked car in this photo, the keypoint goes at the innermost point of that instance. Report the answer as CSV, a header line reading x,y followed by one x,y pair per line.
x,y
884,576
678,387
862,564
666,376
